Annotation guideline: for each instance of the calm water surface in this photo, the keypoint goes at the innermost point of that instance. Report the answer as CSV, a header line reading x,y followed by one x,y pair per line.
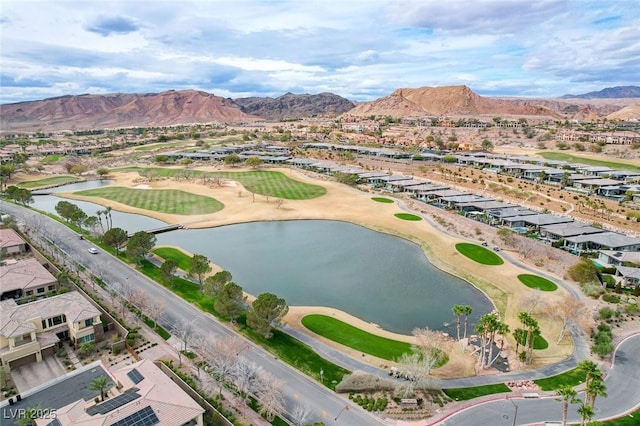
x,y
373,276
376,277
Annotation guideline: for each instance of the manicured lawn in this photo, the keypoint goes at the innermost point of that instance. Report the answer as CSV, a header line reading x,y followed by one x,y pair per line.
x,y
52,181
300,356
539,342
571,378
170,201
263,182
382,200
282,345
408,216
355,338
464,394
181,259
479,254
537,282
631,419
562,156
50,159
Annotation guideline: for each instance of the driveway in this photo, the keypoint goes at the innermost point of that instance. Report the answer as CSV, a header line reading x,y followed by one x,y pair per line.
x,y
35,374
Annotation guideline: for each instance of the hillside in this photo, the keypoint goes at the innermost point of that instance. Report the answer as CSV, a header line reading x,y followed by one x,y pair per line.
x,y
447,100
290,106
121,110
617,92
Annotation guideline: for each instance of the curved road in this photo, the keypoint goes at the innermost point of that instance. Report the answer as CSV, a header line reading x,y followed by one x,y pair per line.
x,y
622,381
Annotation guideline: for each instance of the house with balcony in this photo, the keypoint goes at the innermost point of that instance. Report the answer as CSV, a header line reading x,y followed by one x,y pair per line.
x,y
617,258
31,331
602,241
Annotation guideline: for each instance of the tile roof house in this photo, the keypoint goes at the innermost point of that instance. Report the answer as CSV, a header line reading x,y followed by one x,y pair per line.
x,y
11,243
25,278
147,397
31,331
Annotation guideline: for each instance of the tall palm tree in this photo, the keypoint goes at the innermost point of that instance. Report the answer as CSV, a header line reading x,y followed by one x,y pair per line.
x,y
596,388
458,311
100,383
590,368
468,310
568,395
586,412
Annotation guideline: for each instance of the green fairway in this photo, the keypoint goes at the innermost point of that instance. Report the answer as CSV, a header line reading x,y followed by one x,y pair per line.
x,y
181,259
539,342
479,254
537,282
570,378
382,200
408,216
464,394
52,181
160,145
562,156
263,182
170,201
354,337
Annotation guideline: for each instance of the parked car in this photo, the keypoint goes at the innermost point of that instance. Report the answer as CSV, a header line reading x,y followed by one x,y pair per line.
x,y
93,250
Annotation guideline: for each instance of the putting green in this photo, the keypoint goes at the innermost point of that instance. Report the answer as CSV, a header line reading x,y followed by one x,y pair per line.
x,y
354,337
479,254
382,200
537,282
408,216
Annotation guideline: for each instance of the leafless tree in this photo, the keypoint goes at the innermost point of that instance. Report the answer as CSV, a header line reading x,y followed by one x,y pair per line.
x,y
185,329
223,355
299,414
533,300
569,310
246,377
279,202
270,394
154,309
416,369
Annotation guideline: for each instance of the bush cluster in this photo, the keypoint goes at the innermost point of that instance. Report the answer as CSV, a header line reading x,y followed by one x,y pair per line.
x,y
602,340
369,403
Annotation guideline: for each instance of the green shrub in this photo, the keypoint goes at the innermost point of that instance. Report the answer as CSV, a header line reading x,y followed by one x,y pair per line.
x,y
592,290
611,298
607,313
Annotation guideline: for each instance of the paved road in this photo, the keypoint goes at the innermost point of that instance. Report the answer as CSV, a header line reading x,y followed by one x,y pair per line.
x,y
323,405
622,381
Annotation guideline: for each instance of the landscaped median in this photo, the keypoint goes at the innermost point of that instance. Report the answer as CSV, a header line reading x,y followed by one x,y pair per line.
x,y
355,338
48,182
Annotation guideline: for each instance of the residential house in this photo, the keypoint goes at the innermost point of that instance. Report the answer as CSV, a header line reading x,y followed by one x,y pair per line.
x,y
31,331
603,240
11,243
25,278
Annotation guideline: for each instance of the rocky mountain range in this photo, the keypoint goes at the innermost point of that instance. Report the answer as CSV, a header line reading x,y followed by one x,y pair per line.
x,y
609,93
290,106
173,107
447,100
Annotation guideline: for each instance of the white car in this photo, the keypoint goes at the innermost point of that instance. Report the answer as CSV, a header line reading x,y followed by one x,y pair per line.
x,y
93,250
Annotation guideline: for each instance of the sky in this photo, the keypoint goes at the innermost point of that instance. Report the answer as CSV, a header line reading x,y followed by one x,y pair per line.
x,y
358,49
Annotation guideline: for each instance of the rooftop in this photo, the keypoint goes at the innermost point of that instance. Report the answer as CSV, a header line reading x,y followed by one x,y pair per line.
x,y
24,274
9,238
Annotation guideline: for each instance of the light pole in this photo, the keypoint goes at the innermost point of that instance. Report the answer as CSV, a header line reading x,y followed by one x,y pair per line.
x,y
345,408
322,376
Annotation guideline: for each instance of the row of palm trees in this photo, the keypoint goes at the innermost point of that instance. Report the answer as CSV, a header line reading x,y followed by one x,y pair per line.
x,y
594,387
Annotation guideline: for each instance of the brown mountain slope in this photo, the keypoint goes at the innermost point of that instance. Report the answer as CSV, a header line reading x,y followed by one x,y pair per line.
x,y
631,112
290,106
121,110
446,100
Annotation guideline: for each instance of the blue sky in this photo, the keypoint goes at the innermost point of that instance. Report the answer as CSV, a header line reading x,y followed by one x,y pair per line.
x,y
359,49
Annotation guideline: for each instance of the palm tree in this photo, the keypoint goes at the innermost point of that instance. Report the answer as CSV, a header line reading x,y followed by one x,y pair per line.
x,y
586,412
458,311
590,368
596,388
569,395
100,383
468,310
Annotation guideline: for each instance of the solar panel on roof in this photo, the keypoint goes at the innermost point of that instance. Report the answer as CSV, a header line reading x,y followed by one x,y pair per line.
x,y
113,403
135,376
143,417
